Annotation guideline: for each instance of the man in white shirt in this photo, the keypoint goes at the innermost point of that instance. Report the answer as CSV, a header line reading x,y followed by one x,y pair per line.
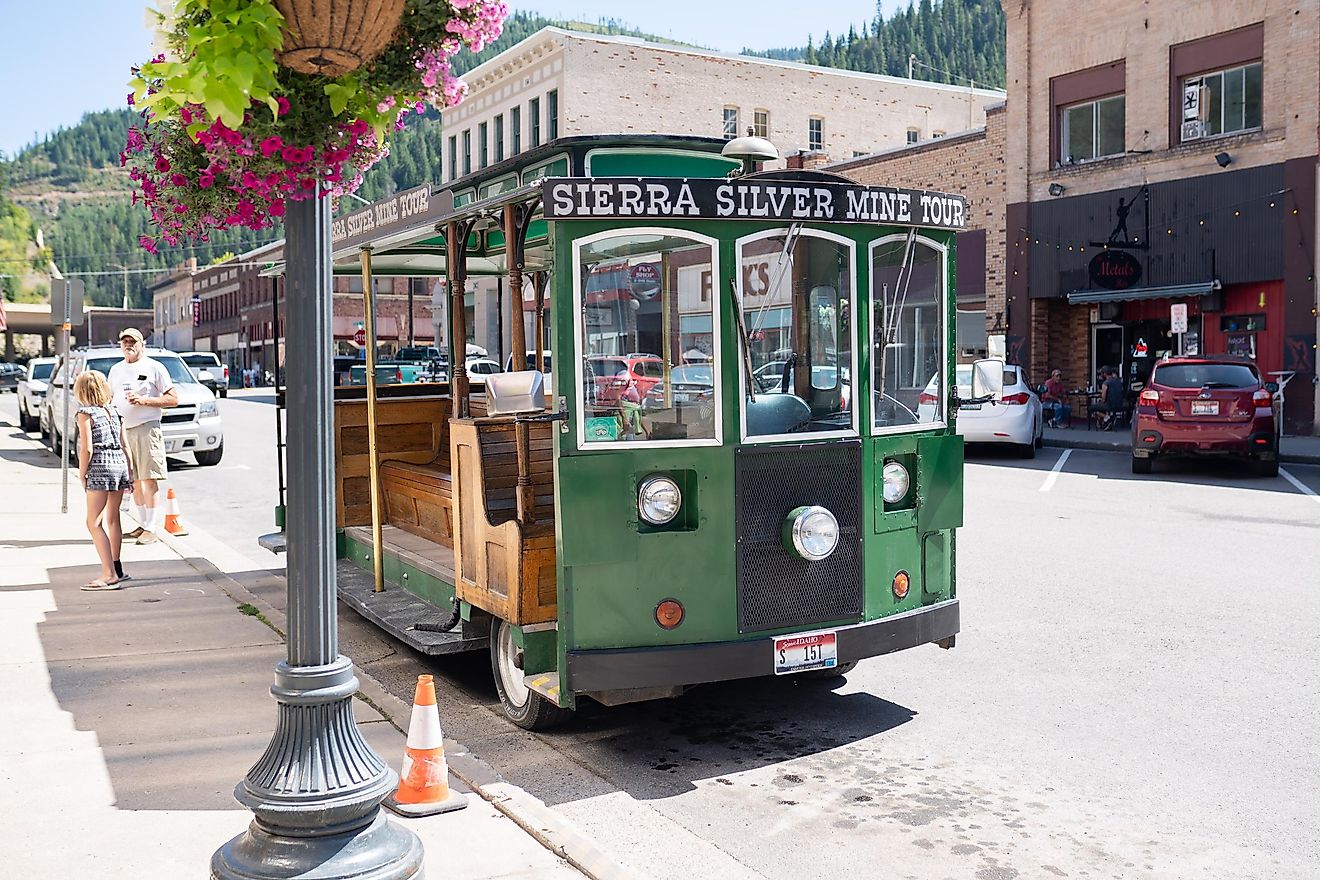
x,y
142,389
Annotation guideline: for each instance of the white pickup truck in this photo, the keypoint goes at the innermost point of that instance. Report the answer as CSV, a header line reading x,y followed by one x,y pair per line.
x,y
32,391
192,426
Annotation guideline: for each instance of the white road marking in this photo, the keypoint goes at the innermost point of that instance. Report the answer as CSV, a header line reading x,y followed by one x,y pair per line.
x,y
1302,487
1054,471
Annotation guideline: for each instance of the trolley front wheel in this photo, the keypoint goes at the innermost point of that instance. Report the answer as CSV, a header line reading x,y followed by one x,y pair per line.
x,y
523,706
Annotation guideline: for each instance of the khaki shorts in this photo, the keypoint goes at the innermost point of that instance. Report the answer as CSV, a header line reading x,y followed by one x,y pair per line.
x,y
146,451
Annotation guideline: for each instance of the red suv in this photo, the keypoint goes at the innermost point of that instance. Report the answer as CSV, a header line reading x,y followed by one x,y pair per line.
x,y
614,373
1212,405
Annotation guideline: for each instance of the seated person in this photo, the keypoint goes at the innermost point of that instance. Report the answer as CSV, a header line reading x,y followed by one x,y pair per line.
x,y
1112,402
1053,401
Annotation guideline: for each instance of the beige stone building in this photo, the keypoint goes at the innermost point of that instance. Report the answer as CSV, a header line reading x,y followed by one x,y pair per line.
x,y
559,83
1164,155
970,163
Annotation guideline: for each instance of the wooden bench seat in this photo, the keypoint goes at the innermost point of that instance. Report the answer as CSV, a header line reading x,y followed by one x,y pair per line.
x,y
419,498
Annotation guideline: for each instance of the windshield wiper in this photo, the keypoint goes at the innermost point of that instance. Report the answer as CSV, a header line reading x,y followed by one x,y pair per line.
x,y
743,342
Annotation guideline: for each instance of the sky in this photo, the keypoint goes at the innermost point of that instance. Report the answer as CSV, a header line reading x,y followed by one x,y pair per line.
x,y
60,59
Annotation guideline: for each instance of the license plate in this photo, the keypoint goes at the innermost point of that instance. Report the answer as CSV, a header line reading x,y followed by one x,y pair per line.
x,y
1205,407
808,651
970,406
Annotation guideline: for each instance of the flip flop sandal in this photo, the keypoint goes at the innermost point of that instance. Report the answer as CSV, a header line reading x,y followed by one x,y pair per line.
x,y
98,586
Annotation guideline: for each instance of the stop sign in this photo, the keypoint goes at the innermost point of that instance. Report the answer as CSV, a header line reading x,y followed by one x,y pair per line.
x,y
360,337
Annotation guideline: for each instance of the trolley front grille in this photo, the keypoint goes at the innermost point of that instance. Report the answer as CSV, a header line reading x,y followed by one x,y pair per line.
x,y
777,588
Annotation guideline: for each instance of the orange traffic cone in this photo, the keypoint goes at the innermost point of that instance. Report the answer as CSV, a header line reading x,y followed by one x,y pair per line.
x,y
172,524
424,782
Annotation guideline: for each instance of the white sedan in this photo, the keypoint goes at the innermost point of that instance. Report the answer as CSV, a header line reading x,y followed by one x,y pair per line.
x,y
1017,419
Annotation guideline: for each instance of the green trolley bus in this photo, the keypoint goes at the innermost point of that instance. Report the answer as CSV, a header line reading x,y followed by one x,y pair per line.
x,y
733,467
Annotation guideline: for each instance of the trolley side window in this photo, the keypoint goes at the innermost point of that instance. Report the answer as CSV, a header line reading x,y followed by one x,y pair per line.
x,y
647,309
908,333
796,291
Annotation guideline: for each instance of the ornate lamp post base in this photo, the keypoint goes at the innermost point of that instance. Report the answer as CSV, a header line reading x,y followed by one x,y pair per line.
x,y
382,850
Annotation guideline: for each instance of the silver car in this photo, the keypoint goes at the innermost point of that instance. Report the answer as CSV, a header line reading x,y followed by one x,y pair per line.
x,y
192,426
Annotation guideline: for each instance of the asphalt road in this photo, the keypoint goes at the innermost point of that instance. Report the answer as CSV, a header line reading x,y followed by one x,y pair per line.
x,y
1134,695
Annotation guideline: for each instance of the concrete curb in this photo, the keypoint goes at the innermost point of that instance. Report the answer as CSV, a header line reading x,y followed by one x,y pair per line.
x,y
550,828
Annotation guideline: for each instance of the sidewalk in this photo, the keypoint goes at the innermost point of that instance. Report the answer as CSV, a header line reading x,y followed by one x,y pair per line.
x,y
1297,450
131,715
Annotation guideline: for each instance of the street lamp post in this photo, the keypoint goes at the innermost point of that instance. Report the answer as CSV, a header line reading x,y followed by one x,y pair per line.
x,y
316,791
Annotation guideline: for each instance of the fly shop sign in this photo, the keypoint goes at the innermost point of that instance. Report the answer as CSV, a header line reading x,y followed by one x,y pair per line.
x,y
589,198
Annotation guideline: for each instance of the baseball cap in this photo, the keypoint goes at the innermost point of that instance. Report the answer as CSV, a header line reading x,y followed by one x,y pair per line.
x,y
132,332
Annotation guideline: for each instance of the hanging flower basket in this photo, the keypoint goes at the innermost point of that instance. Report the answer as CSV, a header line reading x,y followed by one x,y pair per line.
x,y
229,134
334,37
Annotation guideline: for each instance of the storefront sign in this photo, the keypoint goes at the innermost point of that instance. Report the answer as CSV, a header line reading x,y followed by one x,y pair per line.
x,y
577,198
645,280
403,210
1114,270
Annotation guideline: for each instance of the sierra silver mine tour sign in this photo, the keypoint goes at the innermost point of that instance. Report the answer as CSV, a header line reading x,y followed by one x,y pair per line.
x,y
588,198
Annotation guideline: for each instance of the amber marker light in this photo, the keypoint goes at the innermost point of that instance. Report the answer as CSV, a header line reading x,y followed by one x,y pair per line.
x,y
669,613
901,584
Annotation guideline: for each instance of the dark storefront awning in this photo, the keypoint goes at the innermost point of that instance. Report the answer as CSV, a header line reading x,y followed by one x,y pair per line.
x,y
1172,291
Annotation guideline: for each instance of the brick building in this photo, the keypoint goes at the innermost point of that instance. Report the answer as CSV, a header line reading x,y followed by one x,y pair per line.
x,y
970,163
1164,154
171,302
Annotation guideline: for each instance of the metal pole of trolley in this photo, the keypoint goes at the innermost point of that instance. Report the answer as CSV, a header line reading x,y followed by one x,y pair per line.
x,y
373,466
456,272
513,252
317,789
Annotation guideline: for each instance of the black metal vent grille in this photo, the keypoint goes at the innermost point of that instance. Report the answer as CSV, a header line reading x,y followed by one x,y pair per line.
x,y
777,588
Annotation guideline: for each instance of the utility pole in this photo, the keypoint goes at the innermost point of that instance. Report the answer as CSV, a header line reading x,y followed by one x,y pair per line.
x,y
125,274
912,58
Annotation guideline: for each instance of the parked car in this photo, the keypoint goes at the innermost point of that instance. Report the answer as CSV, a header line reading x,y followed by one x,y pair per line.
x,y
193,425
208,370
1207,405
687,385
614,373
9,375
1016,419
32,391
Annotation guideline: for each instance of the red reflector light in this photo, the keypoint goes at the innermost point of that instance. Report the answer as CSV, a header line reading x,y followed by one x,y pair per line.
x,y
901,584
669,613
1262,399
1020,398
925,397
1261,441
1149,438
1000,434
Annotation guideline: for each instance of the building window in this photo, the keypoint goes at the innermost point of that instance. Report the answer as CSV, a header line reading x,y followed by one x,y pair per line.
x,y
1222,102
1092,130
913,135
467,152
483,143
815,133
499,138
534,120
552,114
515,131
761,123
937,134
730,123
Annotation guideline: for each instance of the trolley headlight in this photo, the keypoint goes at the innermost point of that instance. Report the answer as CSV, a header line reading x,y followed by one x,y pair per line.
x,y
658,500
897,482
811,532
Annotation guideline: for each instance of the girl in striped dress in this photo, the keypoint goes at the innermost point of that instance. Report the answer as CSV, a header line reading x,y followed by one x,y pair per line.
x,y
103,468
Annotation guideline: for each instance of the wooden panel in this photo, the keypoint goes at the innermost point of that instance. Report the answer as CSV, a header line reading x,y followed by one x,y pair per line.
x,y
411,429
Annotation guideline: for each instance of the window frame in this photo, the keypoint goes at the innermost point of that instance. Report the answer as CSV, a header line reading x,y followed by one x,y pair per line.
x,y
499,137
817,122
580,342
913,135
1221,72
942,414
534,122
453,157
483,145
515,130
1062,112
467,152
551,114
1222,51
729,119
761,123
847,434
